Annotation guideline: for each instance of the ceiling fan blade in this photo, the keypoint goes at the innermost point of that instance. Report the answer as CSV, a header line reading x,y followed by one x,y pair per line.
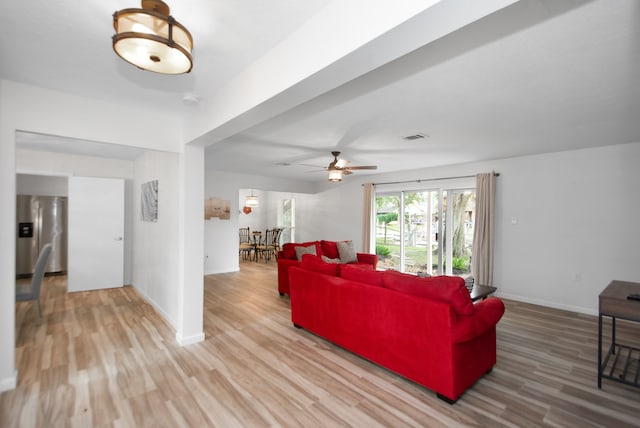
x,y
362,167
346,172
315,166
316,170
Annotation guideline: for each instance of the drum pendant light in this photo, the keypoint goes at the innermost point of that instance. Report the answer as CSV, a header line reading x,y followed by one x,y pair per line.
x,y
251,201
152,40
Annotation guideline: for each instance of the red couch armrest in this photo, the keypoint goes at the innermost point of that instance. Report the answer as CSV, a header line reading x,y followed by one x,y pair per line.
x,y
283,274
371,259
486,315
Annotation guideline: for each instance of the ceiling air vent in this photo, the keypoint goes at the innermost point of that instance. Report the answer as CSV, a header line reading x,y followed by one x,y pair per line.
x,y
414,137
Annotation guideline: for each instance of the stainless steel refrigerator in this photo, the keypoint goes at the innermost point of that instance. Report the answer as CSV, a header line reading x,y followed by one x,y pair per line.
x,y
40,220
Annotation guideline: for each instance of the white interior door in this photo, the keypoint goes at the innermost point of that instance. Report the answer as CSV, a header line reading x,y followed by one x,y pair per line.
x,y
96,233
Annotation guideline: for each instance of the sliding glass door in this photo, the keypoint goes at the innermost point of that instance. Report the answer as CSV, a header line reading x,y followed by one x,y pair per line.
x,y
459,235
388,230
420,231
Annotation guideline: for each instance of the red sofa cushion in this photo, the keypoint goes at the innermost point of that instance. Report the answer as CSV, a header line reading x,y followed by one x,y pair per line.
x,y
289,249
285,261
361,273
330,249
315,263
448,289
370,259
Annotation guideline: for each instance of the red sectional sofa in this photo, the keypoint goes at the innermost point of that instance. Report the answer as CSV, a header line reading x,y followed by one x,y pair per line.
x,y
424,329
288,257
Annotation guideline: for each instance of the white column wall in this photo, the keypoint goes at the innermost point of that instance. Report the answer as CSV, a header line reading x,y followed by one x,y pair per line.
x,y
8,374
190,245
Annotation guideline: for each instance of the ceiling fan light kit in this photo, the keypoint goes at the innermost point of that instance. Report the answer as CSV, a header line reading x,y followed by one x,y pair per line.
x,y
335,175
152,40
339,167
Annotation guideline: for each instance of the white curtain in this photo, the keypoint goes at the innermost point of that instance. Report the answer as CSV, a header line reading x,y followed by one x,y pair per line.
x,y
368,218
482,262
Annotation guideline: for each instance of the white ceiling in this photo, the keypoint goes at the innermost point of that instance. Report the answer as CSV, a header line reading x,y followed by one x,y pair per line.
x,y
66,45
538,76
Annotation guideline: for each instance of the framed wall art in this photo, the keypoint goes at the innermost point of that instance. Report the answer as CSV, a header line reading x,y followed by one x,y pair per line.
x,y
149,201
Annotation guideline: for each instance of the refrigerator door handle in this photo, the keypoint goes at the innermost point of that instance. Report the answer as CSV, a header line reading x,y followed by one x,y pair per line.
x,y
39,236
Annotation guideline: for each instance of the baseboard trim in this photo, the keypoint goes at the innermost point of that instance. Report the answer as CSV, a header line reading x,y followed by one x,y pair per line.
x,y
223,270
189,340
554,305
157,307
9,383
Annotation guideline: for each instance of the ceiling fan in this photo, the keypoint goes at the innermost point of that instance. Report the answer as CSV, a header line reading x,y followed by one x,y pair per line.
x,y
339,167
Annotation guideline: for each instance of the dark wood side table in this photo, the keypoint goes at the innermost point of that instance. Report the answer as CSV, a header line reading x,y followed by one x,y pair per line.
x,y
481,291
621,361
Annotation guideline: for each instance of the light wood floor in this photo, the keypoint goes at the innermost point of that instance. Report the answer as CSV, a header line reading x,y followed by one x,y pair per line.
x,y
106,358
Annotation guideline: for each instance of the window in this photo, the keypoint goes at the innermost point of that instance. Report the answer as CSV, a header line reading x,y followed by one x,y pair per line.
x,y
421,230
287,220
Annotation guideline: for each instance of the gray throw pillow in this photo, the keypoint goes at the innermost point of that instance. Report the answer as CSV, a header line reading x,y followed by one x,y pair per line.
x,y
305,250
328,260
347,252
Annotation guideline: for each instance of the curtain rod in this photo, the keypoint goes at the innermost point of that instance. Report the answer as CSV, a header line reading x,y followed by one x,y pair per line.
x,y
496,174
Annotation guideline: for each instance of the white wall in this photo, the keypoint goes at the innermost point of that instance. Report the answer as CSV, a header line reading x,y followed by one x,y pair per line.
x,y
265,215
336,214
155,254
56,113
31,109
576,221
576,227
221,236
27,184
258,219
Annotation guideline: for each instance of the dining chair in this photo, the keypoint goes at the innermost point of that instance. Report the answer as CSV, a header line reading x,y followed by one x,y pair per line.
x,y
31,291
276,242
268,245
246,246
257,239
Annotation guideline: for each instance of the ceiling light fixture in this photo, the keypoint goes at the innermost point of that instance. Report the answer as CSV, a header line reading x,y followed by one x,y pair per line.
x,y
251,201
335,175
153,40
